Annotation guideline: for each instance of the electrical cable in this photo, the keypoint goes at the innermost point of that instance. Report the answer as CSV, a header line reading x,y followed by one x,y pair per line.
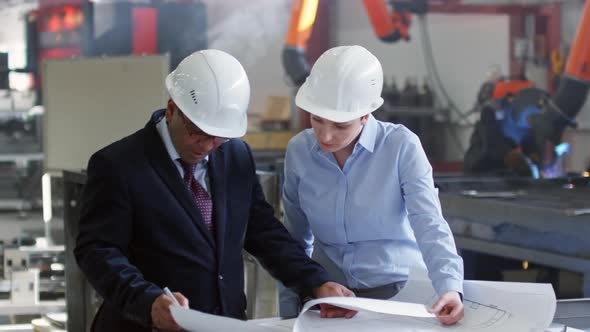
x,y
433,72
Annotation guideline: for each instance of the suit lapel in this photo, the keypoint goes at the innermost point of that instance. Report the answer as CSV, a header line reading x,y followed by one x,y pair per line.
x,y
216,170
160,160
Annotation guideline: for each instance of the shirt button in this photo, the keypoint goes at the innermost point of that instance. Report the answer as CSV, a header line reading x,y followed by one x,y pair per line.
x,y
220,277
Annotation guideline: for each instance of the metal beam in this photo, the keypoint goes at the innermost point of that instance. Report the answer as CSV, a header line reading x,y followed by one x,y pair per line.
x,y
570,263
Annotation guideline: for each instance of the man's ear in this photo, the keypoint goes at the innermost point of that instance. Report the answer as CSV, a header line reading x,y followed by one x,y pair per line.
x,y
170,108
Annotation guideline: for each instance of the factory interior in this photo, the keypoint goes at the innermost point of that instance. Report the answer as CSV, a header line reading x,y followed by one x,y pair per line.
x,y
496,91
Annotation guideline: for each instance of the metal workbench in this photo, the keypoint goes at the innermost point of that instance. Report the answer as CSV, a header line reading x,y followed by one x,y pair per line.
x,y
574,313
545,221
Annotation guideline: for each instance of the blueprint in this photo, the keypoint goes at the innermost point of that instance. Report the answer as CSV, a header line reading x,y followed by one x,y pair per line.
x,y
489,307
193,320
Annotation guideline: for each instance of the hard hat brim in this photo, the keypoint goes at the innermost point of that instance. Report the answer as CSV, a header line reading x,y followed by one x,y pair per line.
x,y
235,132
307,105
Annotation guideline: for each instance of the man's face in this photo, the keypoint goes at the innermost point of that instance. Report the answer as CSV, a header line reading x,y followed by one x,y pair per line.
x,y
191,143
334,136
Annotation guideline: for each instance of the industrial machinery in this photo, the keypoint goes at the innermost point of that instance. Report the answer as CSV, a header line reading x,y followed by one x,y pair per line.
x,y
85,28
521,127
69,29
32,280
505,227
20,159
390,20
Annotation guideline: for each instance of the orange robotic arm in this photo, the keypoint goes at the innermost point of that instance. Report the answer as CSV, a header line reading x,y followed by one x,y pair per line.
x,y
295,62
390,20
578,64
571,94
575,82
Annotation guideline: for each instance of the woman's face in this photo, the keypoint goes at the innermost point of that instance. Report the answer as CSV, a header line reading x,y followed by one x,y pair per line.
x,y
335,136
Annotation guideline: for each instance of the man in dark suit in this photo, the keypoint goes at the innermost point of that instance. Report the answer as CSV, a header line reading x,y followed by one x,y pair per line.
x,y
174,204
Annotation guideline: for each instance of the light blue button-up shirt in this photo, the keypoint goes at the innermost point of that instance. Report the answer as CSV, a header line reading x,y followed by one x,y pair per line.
x,y
375,217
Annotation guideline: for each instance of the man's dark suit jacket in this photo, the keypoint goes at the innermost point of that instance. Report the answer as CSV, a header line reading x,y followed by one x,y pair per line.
x,y
140,231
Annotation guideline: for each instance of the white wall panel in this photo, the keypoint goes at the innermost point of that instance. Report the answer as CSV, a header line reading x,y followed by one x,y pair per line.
x,y
90,103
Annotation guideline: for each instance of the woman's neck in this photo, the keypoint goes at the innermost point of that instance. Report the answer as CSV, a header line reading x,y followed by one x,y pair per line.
x,y
342,155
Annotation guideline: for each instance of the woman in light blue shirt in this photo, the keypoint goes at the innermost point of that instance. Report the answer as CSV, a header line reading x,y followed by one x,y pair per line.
x,y
359,193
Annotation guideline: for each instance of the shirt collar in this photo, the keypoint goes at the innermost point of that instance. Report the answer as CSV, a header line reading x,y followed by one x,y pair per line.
x,y
162,128
366,140
369,134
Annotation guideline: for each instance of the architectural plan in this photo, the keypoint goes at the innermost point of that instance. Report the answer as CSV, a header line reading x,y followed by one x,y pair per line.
x,y
489,307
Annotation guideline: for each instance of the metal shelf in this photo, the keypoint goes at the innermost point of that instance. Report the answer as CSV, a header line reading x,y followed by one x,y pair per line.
x,y
9,309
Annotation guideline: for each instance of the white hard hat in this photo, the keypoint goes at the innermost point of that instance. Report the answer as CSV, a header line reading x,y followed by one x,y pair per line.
x,y
345,83
212,89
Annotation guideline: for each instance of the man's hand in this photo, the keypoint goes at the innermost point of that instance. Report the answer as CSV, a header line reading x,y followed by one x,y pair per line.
x,y
329,289
161,315
449,308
